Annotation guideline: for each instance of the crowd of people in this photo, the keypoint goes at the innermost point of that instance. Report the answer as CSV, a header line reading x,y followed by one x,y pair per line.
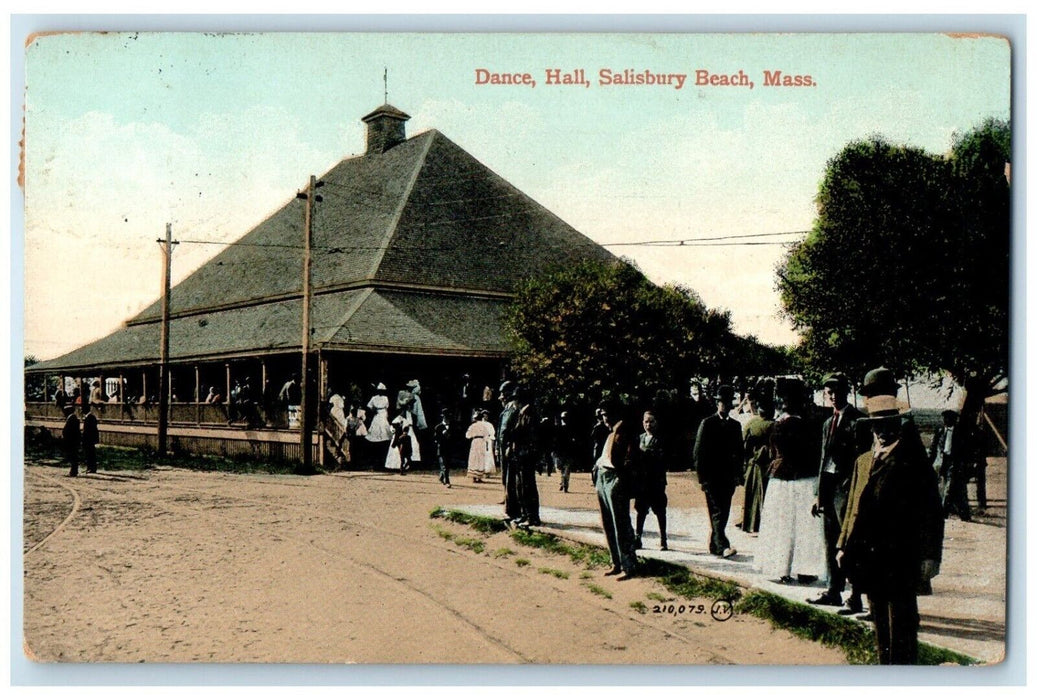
x,y
835,495
842,498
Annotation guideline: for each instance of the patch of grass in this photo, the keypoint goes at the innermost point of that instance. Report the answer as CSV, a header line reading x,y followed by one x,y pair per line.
x,y
929,655
480,523
554,572
639,606
853,637
680,581
476,545
597,590
588,555
473,543
503,552
586,575
856,639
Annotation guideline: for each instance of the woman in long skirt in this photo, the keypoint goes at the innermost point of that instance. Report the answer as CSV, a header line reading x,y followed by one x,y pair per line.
x,y
481,463
379,433
756,436
791,541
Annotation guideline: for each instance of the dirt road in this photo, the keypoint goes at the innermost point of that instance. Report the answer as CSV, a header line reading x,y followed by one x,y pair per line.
x,y
170,565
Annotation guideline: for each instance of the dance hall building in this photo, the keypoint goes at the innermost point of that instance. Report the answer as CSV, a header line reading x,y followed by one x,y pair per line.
x,y
417,250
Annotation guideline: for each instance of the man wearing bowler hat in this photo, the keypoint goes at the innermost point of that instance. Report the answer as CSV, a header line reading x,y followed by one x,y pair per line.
x,y
718,462
840,447
892,535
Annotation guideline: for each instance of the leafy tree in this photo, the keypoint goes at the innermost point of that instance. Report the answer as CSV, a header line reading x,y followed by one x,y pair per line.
x,y
907,262
595,329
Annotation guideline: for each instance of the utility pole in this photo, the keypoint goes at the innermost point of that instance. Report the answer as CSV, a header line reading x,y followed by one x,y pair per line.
x,y
163,361
305,396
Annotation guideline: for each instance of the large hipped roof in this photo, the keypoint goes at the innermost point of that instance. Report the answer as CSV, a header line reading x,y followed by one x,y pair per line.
x,y
415,250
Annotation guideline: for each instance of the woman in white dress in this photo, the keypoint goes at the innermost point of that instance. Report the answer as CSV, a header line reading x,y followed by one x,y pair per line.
x,y
336,425
791,539
379,433
481,463
379,430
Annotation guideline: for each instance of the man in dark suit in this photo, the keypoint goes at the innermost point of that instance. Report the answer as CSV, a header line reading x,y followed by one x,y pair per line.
x,y
613,475
70,437
718,462
892,535
950,457
841,444
522,449
91,436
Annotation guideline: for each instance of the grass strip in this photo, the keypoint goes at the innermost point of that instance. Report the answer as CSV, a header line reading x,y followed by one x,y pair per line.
x,y
597,590
554,572
480,523
590,556
853,638
472,543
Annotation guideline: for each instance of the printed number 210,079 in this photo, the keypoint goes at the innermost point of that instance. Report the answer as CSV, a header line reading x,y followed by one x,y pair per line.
x,y
679,609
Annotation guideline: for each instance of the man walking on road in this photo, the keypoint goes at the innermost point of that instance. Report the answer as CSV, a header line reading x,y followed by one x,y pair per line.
x,y
718,462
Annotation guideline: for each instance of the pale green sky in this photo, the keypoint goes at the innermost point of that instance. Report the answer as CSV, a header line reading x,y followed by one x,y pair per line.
x,y
213,132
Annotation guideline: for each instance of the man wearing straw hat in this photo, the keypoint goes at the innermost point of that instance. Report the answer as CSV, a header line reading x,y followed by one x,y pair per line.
x,y
892,535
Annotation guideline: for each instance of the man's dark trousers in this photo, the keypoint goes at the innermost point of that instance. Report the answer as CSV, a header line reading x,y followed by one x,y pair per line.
x,y
529,496
896,626
512,484
718,503
90,457
833,505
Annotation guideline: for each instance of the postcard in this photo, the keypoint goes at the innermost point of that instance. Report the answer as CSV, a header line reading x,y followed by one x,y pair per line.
x,y
670,349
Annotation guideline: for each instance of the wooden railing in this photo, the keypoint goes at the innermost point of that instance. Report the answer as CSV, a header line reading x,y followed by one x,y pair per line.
x,y
183,413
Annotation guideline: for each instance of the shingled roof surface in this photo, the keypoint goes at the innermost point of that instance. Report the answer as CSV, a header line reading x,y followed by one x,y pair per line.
x,y
424,214
358,319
